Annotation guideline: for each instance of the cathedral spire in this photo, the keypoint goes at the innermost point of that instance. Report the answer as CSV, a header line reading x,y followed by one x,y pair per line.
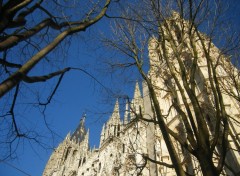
x,y
137,101
113,124
115,118
137,92
80,132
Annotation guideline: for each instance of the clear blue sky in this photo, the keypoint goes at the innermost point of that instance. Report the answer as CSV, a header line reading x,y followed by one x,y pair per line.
x,y
77,94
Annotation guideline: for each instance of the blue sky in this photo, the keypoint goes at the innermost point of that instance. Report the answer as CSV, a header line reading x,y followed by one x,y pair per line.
x,y
77,94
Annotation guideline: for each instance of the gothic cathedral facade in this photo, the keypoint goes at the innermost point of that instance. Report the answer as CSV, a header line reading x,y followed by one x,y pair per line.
x,y
126,142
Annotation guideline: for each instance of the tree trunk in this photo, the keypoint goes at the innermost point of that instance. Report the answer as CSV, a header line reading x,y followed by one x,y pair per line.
x,y
206,164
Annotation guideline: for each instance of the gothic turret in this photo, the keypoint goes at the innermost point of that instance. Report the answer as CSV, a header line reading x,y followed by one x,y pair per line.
x,y
114,123
137,102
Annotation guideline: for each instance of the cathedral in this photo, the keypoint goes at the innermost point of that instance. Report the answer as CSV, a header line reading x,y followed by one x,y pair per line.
x,y
133,144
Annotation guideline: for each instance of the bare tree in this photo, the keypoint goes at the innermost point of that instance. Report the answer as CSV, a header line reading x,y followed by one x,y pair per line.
x,y
31,31
195,77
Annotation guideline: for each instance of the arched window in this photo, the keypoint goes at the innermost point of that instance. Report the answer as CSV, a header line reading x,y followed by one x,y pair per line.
x,y
114,130
99,168
67,153
118,130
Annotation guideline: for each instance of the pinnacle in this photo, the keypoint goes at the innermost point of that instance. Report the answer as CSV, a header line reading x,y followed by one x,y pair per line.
x,y
137,93
115,115
126,114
